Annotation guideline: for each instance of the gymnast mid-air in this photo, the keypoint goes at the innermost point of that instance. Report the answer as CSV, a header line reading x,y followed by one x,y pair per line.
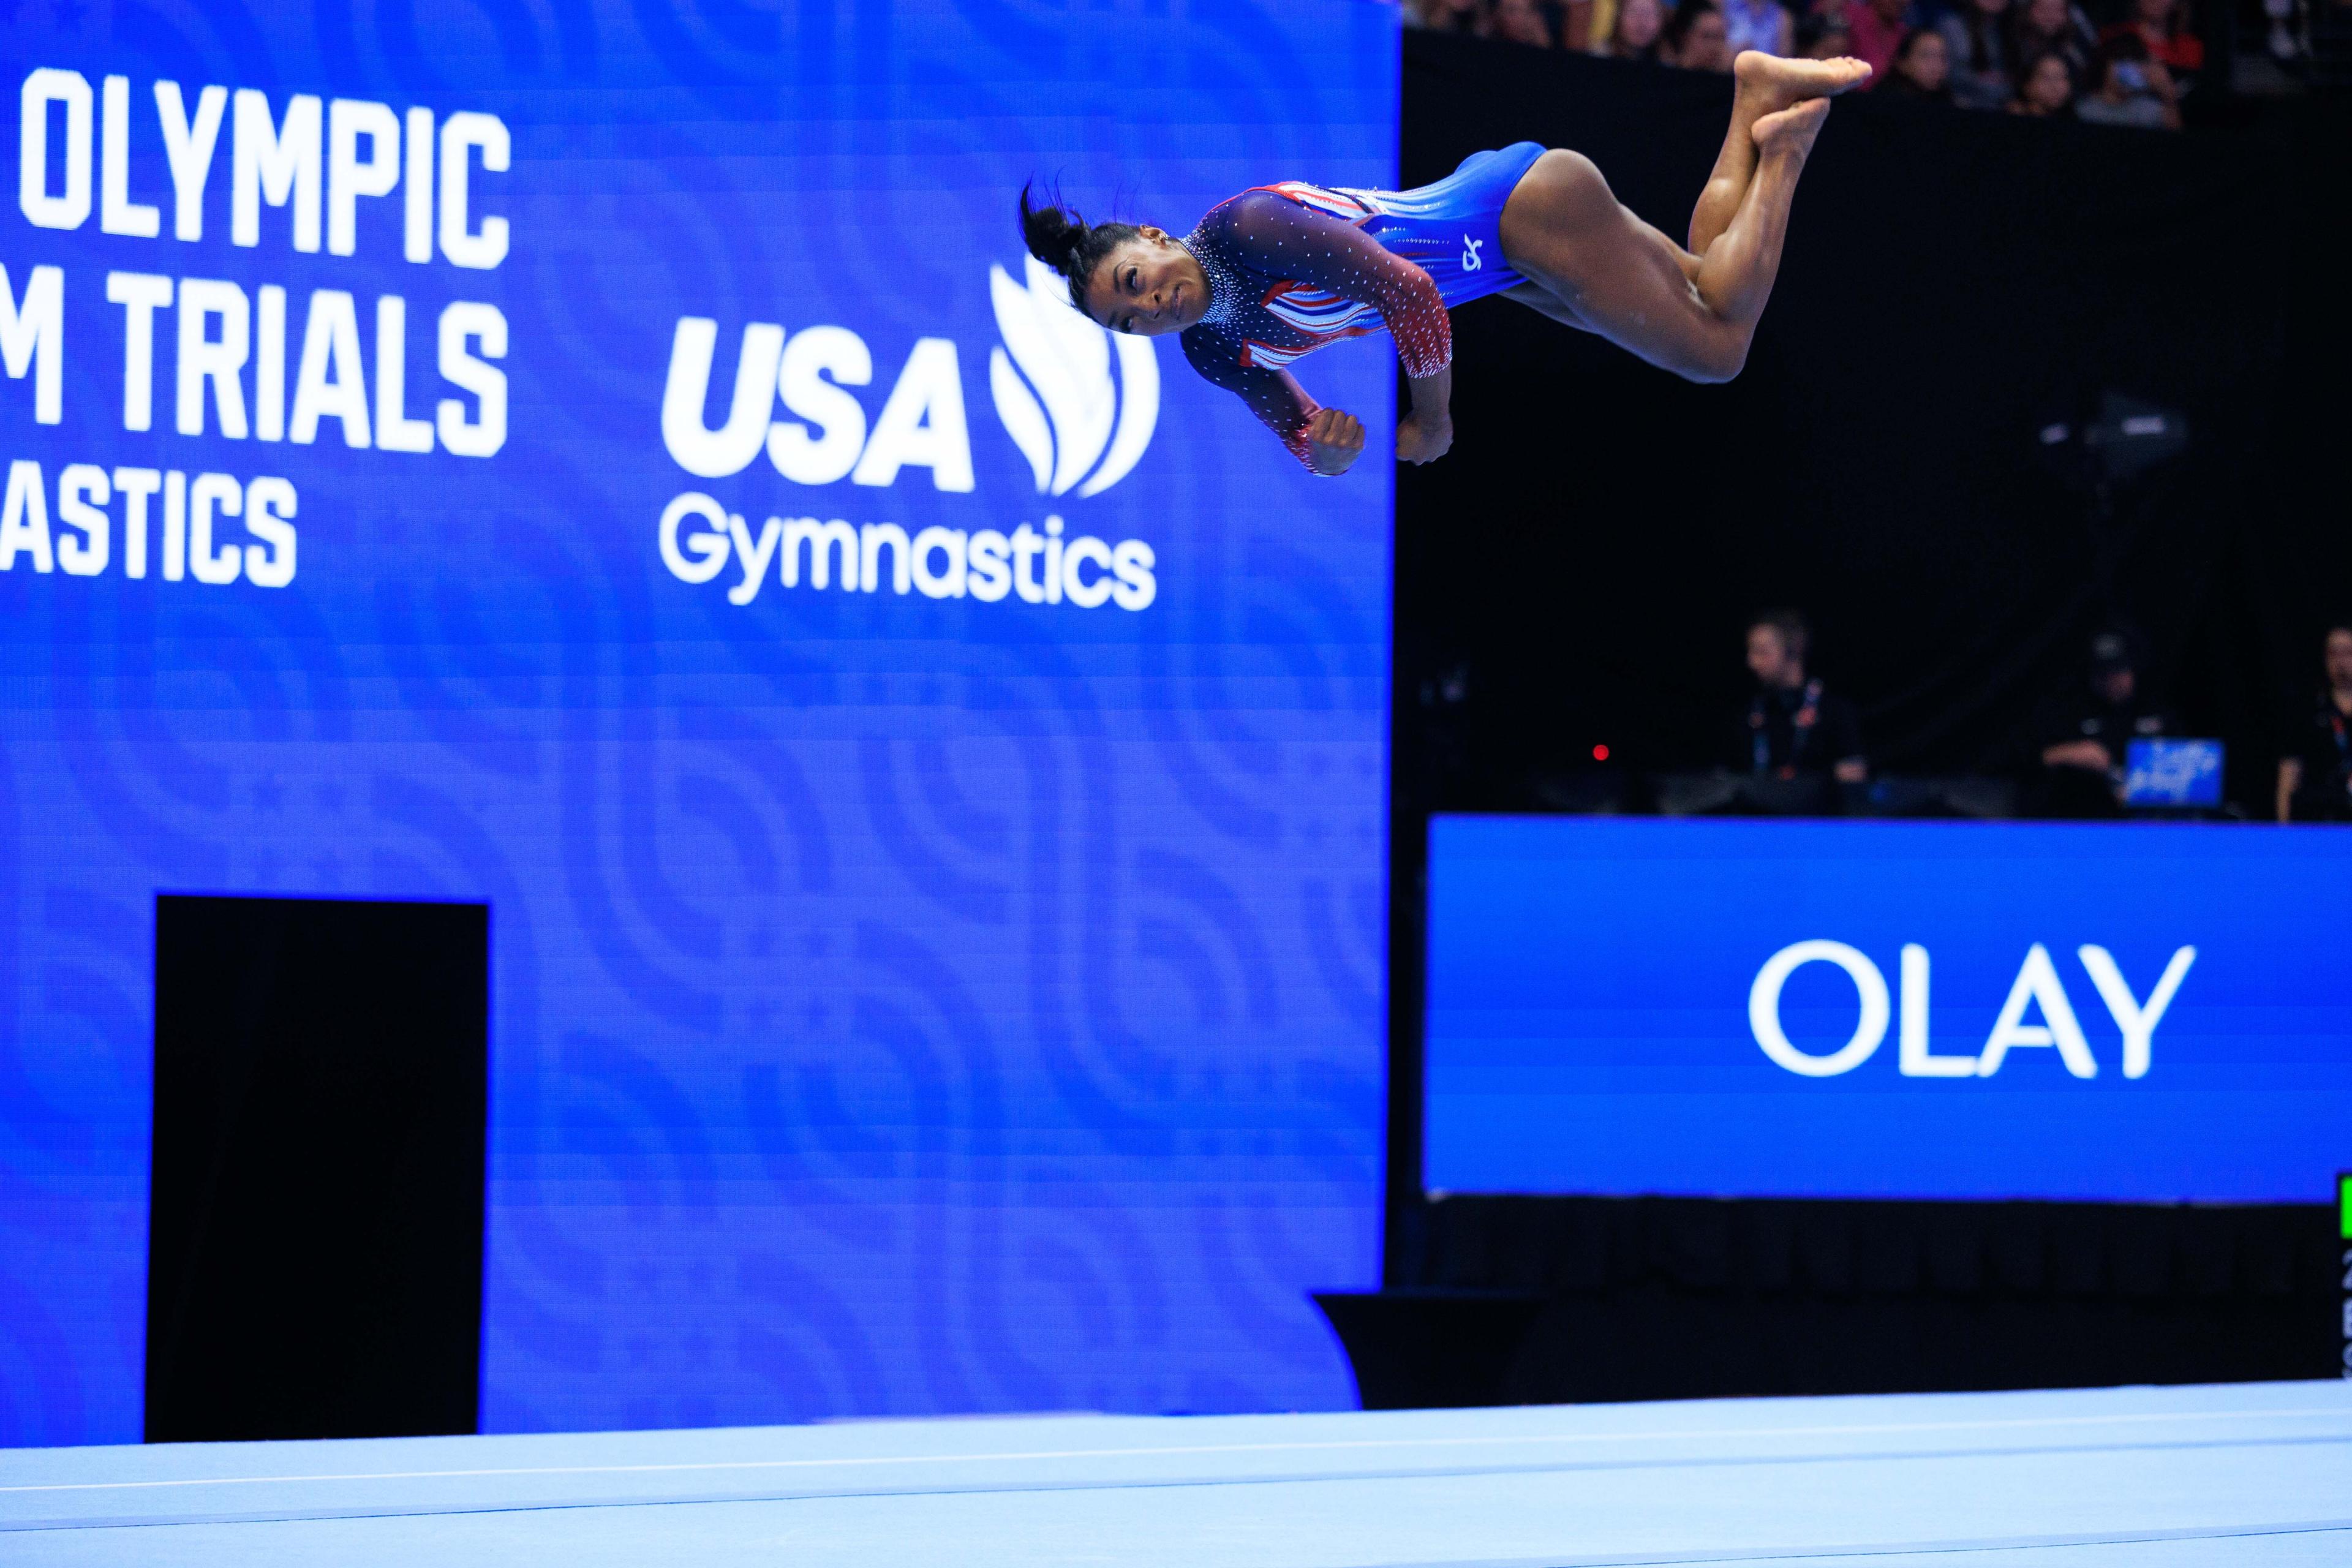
x,y
1281,270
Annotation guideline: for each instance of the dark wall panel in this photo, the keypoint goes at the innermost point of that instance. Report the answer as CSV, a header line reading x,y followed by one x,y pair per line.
x,y
315,1239
1609,1299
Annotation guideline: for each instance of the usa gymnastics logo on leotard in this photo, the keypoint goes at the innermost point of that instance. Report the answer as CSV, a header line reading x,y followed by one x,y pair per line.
x,y
1081,429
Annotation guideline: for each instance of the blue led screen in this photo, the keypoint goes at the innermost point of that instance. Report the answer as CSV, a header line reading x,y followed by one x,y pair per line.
x,y
1875,1009
924,759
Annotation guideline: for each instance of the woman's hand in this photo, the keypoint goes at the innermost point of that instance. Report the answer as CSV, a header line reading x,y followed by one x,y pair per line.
x,y
1334,442
1421,440
1426,433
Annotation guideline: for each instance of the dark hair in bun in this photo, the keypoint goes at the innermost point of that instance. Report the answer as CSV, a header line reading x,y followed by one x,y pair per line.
x,y
1065,242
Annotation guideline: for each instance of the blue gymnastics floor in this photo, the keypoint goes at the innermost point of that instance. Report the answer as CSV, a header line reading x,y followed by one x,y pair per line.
x,y
2253,1474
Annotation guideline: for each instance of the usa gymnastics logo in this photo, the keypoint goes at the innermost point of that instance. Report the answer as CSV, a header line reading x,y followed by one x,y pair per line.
x,y
1081,428
1053,386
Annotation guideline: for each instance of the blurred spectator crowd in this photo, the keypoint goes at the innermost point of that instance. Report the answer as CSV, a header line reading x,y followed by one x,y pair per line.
x,y
2130,64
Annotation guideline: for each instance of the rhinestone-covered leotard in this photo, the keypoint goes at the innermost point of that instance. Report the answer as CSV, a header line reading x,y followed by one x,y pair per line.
x,y
1294,267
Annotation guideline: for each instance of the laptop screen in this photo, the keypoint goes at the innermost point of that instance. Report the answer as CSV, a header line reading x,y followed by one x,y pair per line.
x,y
2173,772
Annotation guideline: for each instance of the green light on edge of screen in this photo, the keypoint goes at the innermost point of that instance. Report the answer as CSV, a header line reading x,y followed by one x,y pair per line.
x,y
2344,1204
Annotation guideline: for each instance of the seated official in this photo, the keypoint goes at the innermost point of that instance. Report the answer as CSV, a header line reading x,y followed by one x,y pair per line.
x,y
2084,739
1794,727
2314,778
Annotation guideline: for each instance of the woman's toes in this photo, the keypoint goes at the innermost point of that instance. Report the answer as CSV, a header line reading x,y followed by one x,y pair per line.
x,y
1789,81
1793,126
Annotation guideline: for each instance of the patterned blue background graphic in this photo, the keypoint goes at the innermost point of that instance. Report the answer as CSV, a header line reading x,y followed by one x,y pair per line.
x,y
2143,1012
925,762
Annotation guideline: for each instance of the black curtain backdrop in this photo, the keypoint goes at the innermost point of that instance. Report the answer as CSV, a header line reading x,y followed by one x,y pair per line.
x,y
1577,571
1952,284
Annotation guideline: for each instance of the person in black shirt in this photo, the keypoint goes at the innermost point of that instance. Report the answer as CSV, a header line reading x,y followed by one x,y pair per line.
x,y
2315,780
1793,726
2083,742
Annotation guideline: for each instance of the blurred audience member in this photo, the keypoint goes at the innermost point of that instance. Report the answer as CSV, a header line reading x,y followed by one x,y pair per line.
x,y
2044,26
1696,38
1878,29
1762,25
2127,88
2163,26
2084,739
1792,726
1445,15
1520,22
1634,29
1824,37
2046,89
1574,23
1976,42
1601,25
1921,68
2315,780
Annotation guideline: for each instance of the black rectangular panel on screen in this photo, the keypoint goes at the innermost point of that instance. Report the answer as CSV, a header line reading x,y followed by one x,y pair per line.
x,y
315,1229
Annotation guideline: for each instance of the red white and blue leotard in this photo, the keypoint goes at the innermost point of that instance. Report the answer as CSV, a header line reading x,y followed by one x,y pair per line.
x,y
1294,267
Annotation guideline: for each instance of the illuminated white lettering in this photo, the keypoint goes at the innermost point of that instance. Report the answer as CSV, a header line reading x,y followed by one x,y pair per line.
x,y
1764,1008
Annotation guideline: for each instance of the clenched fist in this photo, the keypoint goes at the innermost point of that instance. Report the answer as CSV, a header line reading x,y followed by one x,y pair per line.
x,y
1334,441
1423,440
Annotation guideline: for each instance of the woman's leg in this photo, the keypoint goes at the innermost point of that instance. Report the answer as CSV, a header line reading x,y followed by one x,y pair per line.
x,y
1762,85
1536,297
1692,312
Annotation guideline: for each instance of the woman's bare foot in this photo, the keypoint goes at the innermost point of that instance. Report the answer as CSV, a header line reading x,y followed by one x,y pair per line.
x,y
1774,84
1768,87
1792,130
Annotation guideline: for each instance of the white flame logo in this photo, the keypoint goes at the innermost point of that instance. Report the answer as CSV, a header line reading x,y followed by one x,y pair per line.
x,y
1059,405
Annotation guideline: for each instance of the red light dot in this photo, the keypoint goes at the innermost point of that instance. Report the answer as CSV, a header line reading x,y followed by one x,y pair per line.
x,y
1599,753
